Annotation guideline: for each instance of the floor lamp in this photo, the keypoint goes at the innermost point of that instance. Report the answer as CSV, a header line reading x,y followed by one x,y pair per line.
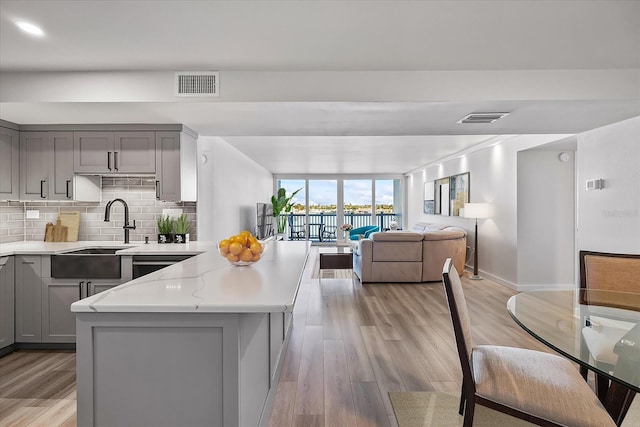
x,y
477,211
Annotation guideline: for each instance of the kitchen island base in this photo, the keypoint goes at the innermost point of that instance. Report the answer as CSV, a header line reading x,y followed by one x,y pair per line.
x,y
186,369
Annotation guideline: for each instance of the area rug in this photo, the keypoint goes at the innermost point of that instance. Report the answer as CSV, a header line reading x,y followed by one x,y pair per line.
x,y
330,274
430,409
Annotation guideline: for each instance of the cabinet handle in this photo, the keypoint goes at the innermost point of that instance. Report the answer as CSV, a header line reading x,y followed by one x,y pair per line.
x,y
68,182
42,181
115,160
80,290
89,284
109,160
157,189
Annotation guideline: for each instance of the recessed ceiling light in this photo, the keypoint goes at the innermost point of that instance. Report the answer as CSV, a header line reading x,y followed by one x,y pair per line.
x,y
30,28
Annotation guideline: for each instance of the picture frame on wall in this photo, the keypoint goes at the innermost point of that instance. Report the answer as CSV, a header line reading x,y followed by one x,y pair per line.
x,y
459,192
429,198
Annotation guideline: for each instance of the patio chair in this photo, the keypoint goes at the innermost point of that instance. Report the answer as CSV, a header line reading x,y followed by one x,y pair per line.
x,y
296,231
365,231
537,387
328,233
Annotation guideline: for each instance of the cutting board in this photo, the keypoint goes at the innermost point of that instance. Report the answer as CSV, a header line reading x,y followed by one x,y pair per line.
x,y
71,220
55,233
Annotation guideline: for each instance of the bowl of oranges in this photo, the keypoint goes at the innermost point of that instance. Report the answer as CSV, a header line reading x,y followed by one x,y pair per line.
x,y
241,249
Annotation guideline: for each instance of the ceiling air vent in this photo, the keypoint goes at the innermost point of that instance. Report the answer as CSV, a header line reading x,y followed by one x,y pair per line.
x,y
481,117
197,83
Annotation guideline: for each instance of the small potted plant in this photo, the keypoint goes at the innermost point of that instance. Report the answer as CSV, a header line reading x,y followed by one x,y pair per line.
x,y
182,230
165,229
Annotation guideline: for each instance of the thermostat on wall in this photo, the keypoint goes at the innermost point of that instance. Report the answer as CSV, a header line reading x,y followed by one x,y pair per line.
x,y
595,184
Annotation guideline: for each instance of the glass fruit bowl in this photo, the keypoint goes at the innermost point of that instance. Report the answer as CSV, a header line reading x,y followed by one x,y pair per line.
x,y
242,249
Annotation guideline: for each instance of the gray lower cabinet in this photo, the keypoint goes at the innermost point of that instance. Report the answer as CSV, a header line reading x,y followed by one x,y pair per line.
x,y
58,322
7,304
9,164
43,304
97,286
28,294
213,369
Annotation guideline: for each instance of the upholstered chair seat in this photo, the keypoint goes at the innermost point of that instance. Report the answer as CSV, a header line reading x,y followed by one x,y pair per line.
x,y
540,384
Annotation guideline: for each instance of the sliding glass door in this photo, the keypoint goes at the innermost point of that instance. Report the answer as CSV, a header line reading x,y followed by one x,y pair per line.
x,y
322,205
295,222
357,202
323,200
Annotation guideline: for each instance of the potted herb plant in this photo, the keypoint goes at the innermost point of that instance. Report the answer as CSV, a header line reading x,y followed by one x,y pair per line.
x,y
281,206
165,229
182,230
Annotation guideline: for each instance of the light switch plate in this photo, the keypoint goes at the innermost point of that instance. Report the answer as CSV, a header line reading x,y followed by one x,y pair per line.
x,y
33,214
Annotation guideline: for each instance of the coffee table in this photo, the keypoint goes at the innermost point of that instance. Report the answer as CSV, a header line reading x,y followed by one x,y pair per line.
x,y
335,258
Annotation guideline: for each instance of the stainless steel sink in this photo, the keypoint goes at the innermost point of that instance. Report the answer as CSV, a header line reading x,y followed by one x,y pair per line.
x,y
88,263
94,251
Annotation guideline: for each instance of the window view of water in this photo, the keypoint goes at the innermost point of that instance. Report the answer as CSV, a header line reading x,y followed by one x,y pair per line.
x,y
323,217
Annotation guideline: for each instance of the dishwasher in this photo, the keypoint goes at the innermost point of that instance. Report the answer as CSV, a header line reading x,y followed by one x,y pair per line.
x,y
145,264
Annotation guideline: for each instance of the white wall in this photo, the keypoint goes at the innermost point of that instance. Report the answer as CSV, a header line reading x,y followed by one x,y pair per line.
x,y
493,179
546,219
609,219
229,186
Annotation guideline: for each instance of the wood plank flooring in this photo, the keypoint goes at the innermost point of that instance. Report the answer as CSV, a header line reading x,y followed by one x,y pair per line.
x,y
350,345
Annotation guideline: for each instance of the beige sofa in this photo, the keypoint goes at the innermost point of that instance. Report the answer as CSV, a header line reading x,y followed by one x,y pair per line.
x,y
409,256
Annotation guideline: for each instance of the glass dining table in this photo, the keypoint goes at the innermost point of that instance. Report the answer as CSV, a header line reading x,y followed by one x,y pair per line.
x,y
578,323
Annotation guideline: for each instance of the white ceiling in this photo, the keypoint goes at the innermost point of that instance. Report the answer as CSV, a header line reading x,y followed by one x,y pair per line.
x,y
326,137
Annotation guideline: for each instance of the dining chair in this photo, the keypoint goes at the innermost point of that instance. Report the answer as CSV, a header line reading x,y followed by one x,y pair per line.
x,y
541,388
601,271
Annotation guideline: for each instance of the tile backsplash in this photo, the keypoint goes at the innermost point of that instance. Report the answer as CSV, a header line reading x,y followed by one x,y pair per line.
x,y
139,193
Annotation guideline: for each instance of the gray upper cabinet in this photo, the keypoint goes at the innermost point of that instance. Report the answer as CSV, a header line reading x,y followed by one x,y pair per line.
x,y
135,152
93,152
46,165
61,176
114,152
7,305
176,171
9,164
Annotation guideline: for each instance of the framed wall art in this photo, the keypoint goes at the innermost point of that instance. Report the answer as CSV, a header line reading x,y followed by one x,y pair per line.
x,y
459,192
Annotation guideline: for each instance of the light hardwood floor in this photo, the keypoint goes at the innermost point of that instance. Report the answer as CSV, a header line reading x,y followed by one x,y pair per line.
x,y
350,345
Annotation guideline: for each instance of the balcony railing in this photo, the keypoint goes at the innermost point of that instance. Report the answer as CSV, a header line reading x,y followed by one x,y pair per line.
x,y
327,220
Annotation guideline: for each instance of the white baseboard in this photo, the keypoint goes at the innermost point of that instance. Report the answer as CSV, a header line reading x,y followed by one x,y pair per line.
x,y
521,288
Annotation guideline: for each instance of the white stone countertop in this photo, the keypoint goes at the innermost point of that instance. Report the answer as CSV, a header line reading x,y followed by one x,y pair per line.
x,y
134,248
207,283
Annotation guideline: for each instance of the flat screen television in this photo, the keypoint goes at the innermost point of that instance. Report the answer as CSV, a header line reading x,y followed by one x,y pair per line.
x,y
265,219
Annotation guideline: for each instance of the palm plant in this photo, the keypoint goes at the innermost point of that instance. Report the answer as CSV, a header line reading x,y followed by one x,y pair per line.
x,y
282,205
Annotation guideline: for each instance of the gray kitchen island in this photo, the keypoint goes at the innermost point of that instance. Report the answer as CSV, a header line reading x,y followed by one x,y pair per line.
x,y
199,343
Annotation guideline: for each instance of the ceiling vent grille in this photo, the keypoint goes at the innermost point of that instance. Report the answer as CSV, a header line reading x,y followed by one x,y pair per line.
x,y
481,117
197,83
